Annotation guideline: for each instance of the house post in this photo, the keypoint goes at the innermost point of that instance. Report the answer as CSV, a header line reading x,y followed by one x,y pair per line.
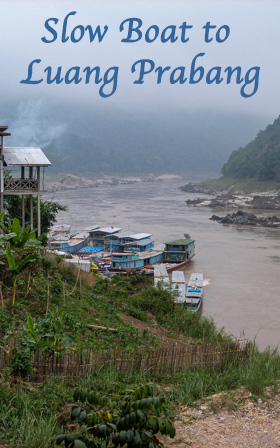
x,y
22,201
38,204
31,201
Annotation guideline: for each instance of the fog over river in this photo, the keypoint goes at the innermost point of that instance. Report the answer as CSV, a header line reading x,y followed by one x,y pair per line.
x,y
241,264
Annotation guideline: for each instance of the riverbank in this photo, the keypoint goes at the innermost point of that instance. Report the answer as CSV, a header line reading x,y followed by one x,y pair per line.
x,y
267,201
228,185
245,194
64,182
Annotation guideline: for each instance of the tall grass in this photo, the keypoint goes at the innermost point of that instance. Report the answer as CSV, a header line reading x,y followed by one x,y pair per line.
x,y
28,417
262,369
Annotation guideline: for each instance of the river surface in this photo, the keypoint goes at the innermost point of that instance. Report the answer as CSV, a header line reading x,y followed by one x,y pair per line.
x,y
240,264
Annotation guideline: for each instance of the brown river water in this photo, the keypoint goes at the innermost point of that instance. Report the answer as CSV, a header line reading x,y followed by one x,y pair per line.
x,y
241,265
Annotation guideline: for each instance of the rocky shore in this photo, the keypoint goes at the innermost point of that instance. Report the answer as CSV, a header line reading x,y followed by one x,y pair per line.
x,y
267,201
247,219
197,188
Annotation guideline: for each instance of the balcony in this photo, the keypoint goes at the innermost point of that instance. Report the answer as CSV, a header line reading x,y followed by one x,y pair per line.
x,y
20,186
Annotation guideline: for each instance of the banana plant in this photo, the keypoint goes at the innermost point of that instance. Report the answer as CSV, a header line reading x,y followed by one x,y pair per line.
x,y
3,241
16,267
22,236
47,334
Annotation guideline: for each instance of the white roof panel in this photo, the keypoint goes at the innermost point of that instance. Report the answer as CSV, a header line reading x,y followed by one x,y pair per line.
x,y
178,277
196,276
140,236
160,271
25,157
107,230
123,234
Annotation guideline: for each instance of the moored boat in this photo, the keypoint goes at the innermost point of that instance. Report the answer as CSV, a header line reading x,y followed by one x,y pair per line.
x,y
178,285
194,292
161,276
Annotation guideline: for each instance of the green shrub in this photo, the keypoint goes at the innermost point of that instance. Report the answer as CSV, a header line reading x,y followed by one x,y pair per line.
x,y
21,364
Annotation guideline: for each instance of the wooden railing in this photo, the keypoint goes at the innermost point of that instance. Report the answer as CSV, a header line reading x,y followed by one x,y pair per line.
x,y
20,184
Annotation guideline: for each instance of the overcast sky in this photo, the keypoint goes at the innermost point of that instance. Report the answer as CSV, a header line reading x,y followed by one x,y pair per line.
x,y
254,40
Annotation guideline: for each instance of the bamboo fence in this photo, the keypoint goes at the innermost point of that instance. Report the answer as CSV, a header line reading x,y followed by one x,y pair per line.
x,y
79,363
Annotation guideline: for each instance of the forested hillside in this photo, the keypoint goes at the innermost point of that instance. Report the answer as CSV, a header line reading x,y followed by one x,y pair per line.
x,y
260,159
150,142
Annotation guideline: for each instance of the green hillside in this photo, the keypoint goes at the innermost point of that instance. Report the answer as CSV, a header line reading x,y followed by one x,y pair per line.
x,y
260,159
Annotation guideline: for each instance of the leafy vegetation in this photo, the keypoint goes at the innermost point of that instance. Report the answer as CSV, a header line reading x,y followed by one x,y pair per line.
x,y
131,418
21,250
47,334
260,159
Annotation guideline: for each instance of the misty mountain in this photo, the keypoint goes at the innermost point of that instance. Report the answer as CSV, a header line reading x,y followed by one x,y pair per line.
x,y
259,159
150,142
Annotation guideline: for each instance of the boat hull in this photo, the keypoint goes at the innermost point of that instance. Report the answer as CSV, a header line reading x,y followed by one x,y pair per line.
x,y
179,265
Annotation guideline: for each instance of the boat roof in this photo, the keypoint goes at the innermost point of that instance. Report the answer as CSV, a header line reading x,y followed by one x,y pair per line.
x,y
181,242
148,253
60,228
192,300
59,239
122,234
91,228
80,236
141,242
195,283
140,236
160,271
16,156
178,277
111,229
196,276
191,293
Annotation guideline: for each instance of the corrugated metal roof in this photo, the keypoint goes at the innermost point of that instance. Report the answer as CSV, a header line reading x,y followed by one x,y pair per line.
x,y
144,242
178,277
25,157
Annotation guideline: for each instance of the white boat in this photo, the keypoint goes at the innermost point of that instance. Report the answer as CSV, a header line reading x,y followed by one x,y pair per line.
x,y
178,285
161,275
194,292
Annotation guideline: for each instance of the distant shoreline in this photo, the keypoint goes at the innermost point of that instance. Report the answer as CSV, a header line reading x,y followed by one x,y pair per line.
x,y
63,182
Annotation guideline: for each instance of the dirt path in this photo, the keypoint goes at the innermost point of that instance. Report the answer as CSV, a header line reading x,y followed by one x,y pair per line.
x,y
164,337
229,421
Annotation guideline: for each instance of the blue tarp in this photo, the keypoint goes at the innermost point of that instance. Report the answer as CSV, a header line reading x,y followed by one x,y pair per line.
x,y
91,249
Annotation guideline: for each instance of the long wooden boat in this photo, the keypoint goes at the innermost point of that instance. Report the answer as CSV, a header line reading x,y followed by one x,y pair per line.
x,y
194,293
